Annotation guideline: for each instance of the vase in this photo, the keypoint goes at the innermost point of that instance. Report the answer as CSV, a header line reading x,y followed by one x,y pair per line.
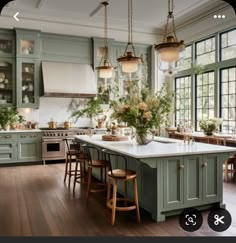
x,y
208,133
143,137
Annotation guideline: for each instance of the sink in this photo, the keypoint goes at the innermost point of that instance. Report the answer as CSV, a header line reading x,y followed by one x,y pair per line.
x,y
158,141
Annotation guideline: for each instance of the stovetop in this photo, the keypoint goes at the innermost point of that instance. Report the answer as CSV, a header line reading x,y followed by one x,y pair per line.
x,y
61,132
62,128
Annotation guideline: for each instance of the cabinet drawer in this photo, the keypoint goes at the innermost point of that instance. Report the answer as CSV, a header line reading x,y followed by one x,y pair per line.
x,y
7,137
6,146
29,136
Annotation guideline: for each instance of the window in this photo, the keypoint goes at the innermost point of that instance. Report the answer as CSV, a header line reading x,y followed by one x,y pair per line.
x,y
187,62
228,45
205,97
205,51
228,98
183,100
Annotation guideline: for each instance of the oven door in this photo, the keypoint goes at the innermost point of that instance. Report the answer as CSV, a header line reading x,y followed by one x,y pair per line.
x,y
53,148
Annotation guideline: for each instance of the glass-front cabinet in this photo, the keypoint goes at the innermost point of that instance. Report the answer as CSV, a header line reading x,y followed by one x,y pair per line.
x,y
7,43
27,43
27,83
7,81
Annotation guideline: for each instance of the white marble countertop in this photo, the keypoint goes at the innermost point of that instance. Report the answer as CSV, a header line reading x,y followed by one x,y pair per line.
x,y
161,147
20,131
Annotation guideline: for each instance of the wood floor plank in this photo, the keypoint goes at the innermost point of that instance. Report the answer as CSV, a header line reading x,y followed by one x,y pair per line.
x,y
34,201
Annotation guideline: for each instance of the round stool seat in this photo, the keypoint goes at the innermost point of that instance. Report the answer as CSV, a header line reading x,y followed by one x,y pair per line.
x,y
122,174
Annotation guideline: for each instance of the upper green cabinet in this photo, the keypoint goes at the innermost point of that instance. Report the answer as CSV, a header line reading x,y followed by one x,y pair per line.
x,y
27,83
28,50
7,43
7,81
27,43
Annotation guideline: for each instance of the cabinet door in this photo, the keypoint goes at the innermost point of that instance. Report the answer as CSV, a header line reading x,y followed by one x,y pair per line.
x,y
7,148
7,78
212,178
27,43
193,171
173,183
7,44
27,83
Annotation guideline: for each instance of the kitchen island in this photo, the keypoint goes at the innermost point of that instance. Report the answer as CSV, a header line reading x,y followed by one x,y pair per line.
x,y
171,175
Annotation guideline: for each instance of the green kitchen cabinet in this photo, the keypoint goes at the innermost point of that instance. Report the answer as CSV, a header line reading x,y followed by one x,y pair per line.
x,y
20,147
7,43
7,81
7,147
27,83
191,181
29,147
28,43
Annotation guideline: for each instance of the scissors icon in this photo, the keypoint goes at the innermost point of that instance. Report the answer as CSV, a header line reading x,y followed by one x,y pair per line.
x,y
218,219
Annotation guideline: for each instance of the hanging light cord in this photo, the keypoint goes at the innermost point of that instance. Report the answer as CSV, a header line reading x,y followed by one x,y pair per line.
x,y
170,16
105,32
130,27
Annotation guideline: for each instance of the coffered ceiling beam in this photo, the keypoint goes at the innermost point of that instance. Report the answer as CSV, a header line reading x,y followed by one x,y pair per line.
x,y
40,4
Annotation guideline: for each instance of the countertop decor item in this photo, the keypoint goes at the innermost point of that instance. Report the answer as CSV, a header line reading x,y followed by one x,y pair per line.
x,y
143,110
210,125
114,138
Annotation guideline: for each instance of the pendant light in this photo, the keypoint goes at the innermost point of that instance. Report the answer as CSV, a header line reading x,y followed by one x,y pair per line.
x,y
105,68
170,51
129,61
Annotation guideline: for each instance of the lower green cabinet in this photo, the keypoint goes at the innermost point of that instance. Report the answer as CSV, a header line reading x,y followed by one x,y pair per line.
x,y
20,147
7,147
29,147
191,180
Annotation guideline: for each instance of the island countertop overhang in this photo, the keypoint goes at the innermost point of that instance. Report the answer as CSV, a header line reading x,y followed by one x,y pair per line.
x,y
160,147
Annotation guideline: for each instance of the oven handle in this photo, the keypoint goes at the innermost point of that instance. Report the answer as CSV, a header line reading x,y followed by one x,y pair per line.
x,y
52,140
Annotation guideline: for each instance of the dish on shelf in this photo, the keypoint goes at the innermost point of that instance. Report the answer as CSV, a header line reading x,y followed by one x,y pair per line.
x,y
2,77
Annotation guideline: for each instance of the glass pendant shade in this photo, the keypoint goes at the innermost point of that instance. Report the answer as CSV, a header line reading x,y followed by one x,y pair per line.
x,y
105,69
105,72
129,62
170,51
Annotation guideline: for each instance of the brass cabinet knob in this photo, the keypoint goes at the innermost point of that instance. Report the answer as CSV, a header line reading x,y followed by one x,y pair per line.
x,y
181,167
204,164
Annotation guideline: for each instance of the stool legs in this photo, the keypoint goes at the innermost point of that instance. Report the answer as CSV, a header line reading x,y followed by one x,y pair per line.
x,y
89,182
136,199
66,168
114,203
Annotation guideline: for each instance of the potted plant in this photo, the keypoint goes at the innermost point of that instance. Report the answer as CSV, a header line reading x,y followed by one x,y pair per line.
x,y
9,117
210,125
92,110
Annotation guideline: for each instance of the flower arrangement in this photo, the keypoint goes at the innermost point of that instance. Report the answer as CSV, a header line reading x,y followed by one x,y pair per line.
x,y
210,125
143,110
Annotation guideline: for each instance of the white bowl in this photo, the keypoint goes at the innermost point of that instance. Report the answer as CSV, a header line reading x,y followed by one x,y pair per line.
x,y
3,101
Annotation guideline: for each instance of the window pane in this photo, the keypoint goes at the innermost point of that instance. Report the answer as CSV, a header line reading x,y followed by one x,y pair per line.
x,y
228,45
228,98
183,100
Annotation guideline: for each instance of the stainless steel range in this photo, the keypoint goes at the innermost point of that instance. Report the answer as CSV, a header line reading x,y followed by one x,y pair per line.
x,y
53,142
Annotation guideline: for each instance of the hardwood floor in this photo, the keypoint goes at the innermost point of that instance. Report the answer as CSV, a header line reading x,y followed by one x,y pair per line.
x,y
34,201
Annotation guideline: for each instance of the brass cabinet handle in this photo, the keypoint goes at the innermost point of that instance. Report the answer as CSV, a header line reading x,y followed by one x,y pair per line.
x,y
204,164
33,136
23,136
7,136
181,167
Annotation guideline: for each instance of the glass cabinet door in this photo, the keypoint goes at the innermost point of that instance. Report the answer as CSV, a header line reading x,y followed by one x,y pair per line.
x,y
27,91
27,47
6,81
6,47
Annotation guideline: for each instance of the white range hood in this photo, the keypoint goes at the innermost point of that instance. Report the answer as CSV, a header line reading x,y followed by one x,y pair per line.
x,y
68,80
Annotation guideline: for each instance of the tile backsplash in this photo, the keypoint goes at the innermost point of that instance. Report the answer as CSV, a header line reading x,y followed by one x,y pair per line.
x,y
58,109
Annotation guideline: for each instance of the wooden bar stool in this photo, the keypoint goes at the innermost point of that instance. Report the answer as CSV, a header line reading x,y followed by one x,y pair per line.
x,y
94,162
70,157
123,175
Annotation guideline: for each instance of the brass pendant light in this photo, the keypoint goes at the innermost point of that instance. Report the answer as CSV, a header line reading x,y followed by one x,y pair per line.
x,y
105,68
170,51
129,61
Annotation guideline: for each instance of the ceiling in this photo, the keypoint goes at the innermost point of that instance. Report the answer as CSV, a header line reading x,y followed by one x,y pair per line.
x,y
148,16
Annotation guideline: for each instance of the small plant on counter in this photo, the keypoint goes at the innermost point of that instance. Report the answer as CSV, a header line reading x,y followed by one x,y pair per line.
x,y
92,110
9,117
